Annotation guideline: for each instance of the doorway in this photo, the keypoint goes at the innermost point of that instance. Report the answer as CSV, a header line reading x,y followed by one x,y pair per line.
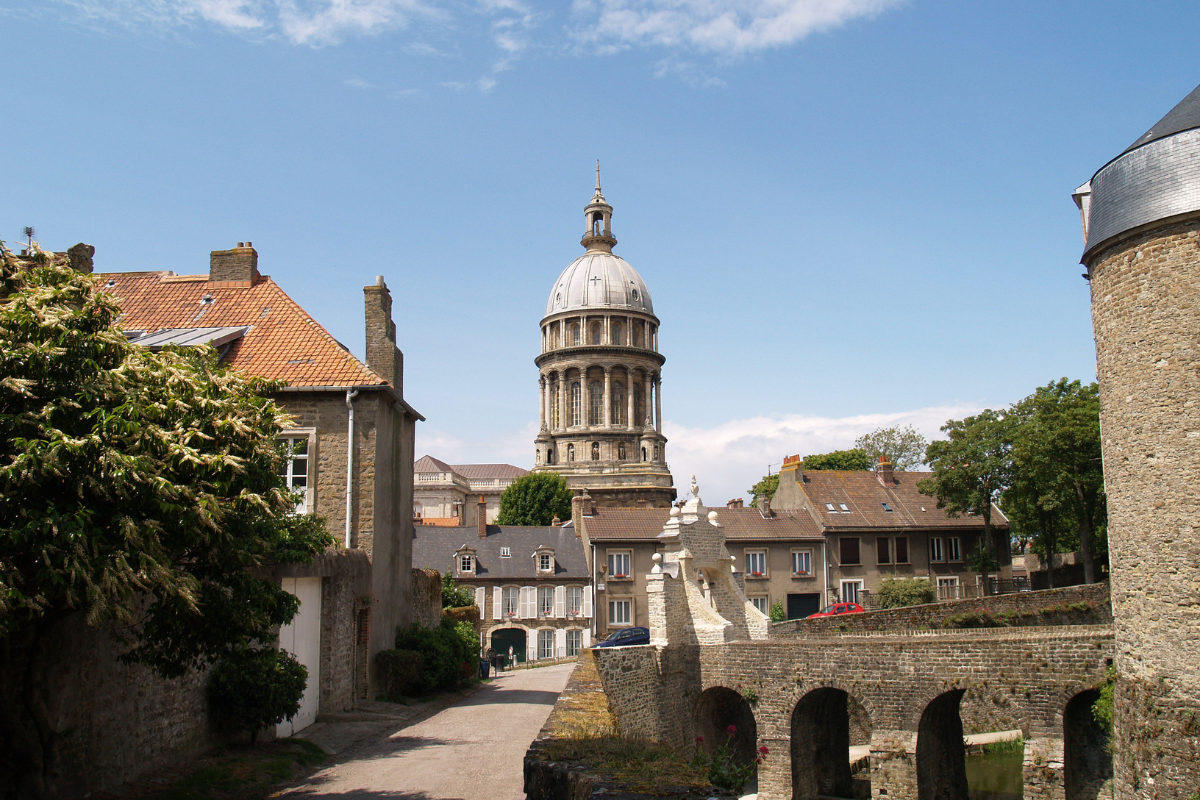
x,y
800,606
504,638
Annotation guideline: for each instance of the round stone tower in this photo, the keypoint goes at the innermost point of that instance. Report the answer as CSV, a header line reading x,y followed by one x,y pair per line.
x,y
1141,218
600,376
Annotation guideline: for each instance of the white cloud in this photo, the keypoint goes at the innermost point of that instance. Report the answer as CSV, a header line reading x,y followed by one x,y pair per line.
x,y
514,446
326,21
729,27
731,457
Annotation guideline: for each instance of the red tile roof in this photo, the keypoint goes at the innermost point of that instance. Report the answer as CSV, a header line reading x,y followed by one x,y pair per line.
x,y
283,342
864,495
739,523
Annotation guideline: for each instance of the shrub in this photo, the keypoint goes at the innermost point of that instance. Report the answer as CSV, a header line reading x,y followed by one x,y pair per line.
x,y
454,596
467,614
255,689
448,652
399,673
723,767
899,592
1102,708
777,613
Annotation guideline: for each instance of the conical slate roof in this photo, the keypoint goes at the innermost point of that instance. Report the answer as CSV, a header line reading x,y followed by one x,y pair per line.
x,y
1184,116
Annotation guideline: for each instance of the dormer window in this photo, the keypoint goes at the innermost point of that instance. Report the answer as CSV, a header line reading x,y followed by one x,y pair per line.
x,y
466,564
545,562
505,552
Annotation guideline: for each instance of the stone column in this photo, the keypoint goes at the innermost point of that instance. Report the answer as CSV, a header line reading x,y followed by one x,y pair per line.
x,y
563,390
649,394
1043,771
658,403
542,402
608,397
629,420
894,765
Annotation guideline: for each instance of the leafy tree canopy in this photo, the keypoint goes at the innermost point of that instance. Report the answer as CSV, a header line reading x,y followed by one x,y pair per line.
x,y
138,488
535,499
764,488
854,459
454,596
904,447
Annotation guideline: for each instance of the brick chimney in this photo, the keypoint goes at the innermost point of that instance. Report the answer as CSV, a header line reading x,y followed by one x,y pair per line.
x,y
641,503
239,264
556,522
764,506
735,503
883,471
382,354
80,257
481,517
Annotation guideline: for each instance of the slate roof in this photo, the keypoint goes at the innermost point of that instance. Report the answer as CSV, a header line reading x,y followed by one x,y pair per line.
x,y
435,547
864,496
489,470
431,464
282,341
739,523
1184,116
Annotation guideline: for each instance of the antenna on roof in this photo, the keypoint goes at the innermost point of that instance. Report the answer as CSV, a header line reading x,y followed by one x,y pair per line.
x,y
28,233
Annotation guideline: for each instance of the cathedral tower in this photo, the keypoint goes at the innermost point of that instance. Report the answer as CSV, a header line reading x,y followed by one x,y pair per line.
x,y
600,376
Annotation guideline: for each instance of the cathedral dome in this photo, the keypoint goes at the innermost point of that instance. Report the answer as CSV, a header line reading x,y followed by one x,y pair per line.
x,y
599,280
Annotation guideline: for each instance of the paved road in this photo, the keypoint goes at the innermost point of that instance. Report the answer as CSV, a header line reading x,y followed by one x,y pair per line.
x,y
470,751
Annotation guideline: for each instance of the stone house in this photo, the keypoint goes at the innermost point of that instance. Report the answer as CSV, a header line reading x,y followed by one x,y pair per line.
x,y
532,584
876,525
442,492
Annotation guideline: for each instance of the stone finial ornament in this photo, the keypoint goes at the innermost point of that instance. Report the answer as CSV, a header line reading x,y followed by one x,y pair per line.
x,y
695,487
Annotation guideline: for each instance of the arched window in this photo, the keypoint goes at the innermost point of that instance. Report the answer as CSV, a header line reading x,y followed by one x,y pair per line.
x,y
597,223
576,404
595,403
657,453
620,451
616,333
570,453
537,457
618,403
595,451
639,414
575,335
596,333
643,454
549,455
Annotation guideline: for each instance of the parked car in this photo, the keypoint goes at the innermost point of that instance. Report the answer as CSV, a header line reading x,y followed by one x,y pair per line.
x,y
836,609
626,636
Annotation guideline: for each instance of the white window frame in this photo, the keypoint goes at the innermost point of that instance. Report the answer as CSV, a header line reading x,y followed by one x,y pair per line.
x,y
855,587
805,554
948,587
505,552
574,641
761,601
617,605
574,601
954,548
545,562
511,599
308,500
545,643
756,557
466,564
936,554
616,556
545,601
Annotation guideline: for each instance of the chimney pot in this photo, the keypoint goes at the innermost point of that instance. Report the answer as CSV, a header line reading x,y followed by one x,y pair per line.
x,y
556,522
764,506
884,471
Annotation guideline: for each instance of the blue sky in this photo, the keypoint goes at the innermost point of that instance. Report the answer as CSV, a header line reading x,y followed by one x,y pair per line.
x,y
849,213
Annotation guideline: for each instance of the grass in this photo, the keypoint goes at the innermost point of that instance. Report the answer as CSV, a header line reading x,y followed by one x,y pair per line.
x,y
1006,746
244,772
638,764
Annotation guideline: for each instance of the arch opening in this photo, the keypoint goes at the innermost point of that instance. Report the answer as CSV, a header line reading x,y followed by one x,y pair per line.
x,y
941,756
1087,761
825,724
717,709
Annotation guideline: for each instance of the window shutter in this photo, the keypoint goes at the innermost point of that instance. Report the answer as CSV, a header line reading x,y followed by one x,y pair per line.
x,y
531,648
480,599
587,601
560,642
528,602
560,601
585,639
497,603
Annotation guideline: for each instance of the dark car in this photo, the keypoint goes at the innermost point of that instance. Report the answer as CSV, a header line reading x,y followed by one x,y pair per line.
x,y
626,636
836,609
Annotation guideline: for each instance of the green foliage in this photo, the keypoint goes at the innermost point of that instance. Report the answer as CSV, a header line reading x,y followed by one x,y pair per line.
x,y
453,596
1005,747
139,488
900,592
449,653
723,767
399,673
258,688
777,613
839,459
535,499
764,488
981,560
1102,708
904,447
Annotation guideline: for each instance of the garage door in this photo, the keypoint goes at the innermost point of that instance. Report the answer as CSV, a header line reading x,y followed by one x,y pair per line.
x,y
302,638
800,606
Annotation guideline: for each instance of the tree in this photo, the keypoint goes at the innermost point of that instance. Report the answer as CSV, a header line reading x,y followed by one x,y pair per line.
x,y
535,499
971,468
137,489
764,488
454,596
257,688
839,459
1058,477
904,447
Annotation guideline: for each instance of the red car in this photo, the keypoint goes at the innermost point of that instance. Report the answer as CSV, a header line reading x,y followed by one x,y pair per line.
x,y
836,609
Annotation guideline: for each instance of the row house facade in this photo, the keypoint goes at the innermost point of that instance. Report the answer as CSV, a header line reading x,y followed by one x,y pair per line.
x,y
443,493
532,584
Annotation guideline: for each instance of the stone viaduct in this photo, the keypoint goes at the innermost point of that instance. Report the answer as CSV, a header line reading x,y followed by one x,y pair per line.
x,y
910,695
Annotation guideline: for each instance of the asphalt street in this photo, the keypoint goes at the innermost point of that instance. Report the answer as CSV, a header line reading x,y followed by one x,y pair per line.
x,y
472,750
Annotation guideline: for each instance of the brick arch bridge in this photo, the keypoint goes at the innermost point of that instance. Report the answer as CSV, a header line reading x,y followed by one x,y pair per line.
x,y
910,695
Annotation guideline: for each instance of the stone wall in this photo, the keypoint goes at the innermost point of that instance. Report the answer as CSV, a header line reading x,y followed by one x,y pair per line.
x,y
426,597
1047,607
1145,317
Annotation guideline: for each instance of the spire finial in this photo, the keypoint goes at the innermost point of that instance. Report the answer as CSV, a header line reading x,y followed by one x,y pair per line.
x,y
597,176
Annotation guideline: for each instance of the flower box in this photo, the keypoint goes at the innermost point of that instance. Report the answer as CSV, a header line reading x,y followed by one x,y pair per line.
x,y
756,574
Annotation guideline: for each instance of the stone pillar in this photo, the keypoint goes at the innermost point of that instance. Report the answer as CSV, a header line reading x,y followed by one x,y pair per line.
x,y
563,390
658,403
1043,770
630,422
648,396
894,765
608,397
542,403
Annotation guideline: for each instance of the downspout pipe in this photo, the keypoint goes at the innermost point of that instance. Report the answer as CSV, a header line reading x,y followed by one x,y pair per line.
x,y
825,558
595,597
350,395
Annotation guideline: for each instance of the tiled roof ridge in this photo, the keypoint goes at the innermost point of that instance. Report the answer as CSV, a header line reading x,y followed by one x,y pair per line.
x,y
442,465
